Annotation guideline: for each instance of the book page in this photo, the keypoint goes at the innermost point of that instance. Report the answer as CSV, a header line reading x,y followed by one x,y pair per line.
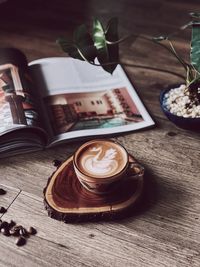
x,y
17,109
82,100
20,141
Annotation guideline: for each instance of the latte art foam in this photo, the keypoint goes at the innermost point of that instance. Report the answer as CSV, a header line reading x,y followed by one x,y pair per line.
x,y
100,164
101,159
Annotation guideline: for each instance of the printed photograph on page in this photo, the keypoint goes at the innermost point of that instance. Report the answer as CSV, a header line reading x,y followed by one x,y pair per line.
x,y
91,110
16,105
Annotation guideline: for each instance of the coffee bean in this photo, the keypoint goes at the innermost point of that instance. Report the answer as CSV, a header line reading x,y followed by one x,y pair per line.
x,y
4,224
12,223
15,230
3,210
18,226
2,191
20,241
11,229
56,163
23,232
5,231
32,231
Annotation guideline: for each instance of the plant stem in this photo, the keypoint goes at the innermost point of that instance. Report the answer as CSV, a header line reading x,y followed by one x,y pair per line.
x,y
184,64
130,65
183,27
127,37
153,69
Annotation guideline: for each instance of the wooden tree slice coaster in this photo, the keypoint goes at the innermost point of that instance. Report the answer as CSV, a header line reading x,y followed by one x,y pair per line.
x,y
67,200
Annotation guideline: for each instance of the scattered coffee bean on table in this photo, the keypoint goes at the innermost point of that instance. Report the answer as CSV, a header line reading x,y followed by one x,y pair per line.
x,y
12,223
56,162
15,230
4,224
5,231
11,229
20,241
32,231
23,232
3,210
2,191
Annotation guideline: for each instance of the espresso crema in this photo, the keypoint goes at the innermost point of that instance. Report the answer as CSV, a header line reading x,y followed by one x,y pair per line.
x,y
101,159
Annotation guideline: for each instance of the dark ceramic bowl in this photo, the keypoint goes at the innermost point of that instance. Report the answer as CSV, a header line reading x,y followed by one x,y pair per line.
x,y
185,123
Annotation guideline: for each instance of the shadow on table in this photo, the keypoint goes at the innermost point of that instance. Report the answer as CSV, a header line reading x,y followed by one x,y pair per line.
x,y
163,198
147,200
149,196
36,18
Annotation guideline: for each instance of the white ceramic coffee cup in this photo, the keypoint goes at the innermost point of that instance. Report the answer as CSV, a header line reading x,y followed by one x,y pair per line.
x,y
106,183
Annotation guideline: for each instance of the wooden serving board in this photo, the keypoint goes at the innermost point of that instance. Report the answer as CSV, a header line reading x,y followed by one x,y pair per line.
x,y
67,200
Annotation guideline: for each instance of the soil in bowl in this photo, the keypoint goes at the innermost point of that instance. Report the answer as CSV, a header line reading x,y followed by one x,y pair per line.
x,y
179,108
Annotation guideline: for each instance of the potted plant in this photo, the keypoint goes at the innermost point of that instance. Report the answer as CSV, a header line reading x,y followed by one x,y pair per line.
x,y
101,44
180,103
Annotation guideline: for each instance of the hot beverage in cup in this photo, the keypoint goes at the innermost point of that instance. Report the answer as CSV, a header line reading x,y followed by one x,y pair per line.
x,y
101,164
102,159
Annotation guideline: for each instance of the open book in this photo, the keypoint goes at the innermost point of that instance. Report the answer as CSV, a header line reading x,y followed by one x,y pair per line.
x,y
54,100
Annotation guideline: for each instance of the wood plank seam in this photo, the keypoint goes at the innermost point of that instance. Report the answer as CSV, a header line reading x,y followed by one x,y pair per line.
x,y
11,202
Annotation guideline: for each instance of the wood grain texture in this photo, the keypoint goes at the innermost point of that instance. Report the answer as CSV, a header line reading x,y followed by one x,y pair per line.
x,y
165,228
67,200
9,197
131,242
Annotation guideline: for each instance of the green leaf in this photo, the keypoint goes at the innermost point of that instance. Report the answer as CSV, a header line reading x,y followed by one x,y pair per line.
x,y
82,47
66,45
84,42
106,53
112,36
99,39
195,46
195,15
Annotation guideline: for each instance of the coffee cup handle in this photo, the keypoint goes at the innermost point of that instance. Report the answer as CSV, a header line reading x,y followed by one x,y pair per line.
x,y
135,170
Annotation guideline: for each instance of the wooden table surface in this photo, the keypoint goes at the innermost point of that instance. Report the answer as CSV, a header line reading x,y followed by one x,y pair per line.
x,y
165,230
